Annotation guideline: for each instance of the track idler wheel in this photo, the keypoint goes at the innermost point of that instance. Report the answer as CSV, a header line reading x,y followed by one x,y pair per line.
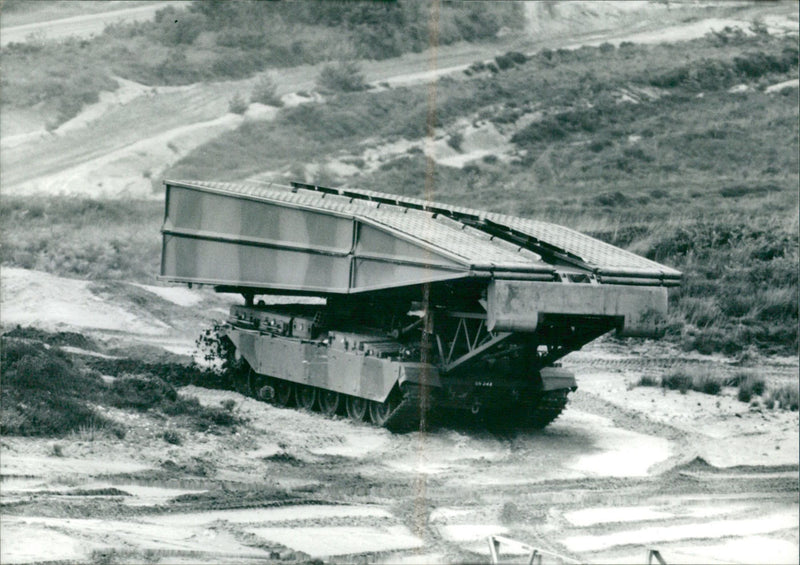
x,y
305,396
356,408
330,402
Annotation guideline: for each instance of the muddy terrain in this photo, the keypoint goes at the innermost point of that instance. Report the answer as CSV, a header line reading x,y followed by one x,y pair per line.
x,y
701,478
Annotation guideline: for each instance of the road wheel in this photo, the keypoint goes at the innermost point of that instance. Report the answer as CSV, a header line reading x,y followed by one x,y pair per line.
x,y
356,408
306,396
379,411
284,392
329,402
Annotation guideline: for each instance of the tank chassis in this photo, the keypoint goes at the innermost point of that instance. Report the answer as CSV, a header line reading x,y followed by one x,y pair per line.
x,y
424,306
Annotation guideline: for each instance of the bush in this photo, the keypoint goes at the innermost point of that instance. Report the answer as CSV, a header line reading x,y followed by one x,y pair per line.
x,y
265,92
693,378
342,77
172,437
786,397
510,59
677,380
647,380
141,393
237,104
455,140
707,384
749,384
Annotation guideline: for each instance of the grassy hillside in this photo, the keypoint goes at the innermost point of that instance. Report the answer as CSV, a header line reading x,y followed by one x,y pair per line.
x,y
221,40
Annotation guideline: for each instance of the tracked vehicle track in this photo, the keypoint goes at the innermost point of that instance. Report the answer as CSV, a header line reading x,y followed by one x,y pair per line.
x,y
549,407
411,413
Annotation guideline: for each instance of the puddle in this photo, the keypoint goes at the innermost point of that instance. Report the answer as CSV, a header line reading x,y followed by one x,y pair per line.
x,y
18,484
23,543
114,533
443,450
592,516
325,542
753,549
706,530
622,453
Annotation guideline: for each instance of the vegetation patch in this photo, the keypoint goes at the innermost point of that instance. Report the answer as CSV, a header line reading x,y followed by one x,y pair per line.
x,y
786,396
47,392
344,76
79,237
747,383
206,41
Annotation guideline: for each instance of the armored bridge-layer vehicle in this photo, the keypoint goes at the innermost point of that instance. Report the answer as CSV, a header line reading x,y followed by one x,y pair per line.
x,y
420,305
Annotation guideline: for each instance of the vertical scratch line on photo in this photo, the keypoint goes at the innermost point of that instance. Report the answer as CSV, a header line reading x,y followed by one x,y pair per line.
x,y
420,513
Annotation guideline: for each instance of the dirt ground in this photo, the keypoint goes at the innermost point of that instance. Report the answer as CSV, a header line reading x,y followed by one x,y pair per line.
x,y
703,479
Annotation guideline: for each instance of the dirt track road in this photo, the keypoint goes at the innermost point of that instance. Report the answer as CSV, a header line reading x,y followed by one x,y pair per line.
x,y
79,26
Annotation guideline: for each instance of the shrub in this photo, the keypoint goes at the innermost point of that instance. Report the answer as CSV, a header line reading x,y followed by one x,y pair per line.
x,y
141,392
455,140
265,92
786,396
749,385
202,417
698,379
172,437
647,380
707,384
344,76
597,145
237,104
510,59
48,414
677,380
